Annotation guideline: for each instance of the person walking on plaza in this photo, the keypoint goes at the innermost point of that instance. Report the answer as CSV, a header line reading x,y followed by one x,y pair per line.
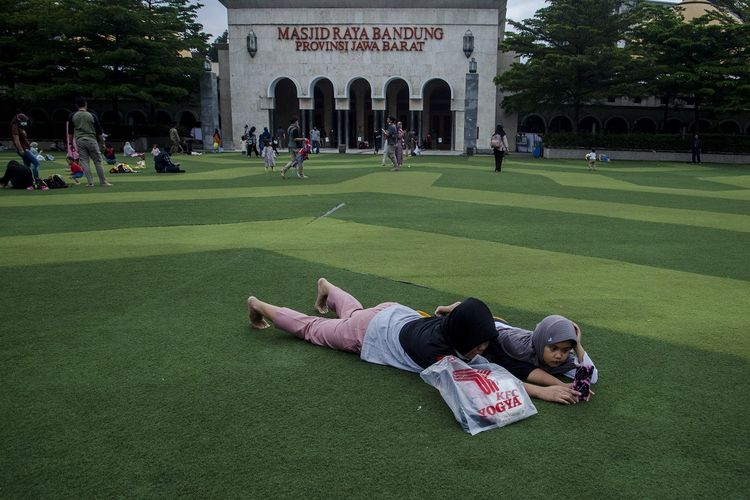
x,y
86,131
294,137
21,143
499,145
252,140
174,137
391,136
315,139
696,148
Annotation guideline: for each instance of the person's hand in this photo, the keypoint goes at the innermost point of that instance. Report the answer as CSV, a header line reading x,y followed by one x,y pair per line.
x,y
561,394
443,310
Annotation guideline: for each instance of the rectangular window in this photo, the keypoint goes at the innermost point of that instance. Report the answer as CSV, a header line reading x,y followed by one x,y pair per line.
x,y
637,100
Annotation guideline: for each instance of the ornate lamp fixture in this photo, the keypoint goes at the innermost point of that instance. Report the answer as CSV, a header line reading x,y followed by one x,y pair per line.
x,y
468,43
473,65
252,43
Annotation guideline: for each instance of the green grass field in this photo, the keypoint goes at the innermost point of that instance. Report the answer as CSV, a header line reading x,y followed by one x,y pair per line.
x,y
128,369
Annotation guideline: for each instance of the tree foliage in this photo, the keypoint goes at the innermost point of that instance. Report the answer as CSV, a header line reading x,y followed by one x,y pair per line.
x,y
129,49
213,49
571,55
705,61
576,52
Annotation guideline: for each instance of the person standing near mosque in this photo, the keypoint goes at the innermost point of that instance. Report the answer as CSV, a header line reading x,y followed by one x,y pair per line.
x,y
88,135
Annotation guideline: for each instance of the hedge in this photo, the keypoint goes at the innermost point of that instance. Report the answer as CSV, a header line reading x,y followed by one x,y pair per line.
x,y
711,143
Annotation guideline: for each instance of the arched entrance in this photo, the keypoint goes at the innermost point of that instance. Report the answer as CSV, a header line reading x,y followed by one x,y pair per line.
x,y
673,126
589,125
560,124
397,101
533,124
616,125
645,126
438,117
360,133
286,108
324,116
730,127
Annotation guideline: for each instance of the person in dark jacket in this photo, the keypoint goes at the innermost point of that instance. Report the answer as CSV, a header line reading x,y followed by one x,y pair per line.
x,y
163,164
17,176
696,149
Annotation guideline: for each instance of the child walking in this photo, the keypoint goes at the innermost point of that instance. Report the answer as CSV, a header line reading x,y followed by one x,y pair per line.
x,y
299,160
591,159
269,156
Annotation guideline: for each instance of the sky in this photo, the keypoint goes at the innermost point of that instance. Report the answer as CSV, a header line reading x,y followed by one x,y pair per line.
x,y
213,15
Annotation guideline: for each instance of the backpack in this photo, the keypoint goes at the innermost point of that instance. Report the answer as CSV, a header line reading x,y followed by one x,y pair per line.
x,y
55,182
496,141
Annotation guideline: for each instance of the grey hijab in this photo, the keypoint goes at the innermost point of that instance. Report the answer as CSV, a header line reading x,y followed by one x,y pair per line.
x,y
528,346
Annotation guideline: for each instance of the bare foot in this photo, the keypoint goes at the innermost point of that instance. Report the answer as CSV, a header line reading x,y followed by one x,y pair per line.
x,y
321,303
254,317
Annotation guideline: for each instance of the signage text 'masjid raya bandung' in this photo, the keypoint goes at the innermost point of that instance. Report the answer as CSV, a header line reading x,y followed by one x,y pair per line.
x,y
360,38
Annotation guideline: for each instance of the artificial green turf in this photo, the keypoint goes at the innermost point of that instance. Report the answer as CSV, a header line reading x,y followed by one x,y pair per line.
x,y
128,368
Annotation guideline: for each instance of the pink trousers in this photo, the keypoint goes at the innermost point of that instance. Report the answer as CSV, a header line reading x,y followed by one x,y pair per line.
x,y
343,334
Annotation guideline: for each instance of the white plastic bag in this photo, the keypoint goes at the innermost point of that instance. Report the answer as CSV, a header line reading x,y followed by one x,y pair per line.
x,y
482,395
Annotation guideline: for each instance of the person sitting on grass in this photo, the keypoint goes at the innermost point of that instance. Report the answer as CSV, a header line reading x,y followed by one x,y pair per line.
x,y
76,171
552,348
130,152
298,161
164,165
392,334
17,176
109,154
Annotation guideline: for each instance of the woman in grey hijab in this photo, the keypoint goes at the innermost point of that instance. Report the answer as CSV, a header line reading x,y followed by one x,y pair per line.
x,y
554,346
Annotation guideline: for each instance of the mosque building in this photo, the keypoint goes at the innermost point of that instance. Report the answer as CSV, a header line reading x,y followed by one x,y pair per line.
x,y
344,66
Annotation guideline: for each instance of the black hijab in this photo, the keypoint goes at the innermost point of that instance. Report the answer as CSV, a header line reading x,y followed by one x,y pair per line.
x,y
469,325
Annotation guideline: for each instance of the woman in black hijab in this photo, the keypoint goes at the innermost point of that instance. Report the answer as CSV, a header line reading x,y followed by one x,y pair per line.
x,y
392,334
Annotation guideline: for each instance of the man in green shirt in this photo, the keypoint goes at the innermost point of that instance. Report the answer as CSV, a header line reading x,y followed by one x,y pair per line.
x,y
86,130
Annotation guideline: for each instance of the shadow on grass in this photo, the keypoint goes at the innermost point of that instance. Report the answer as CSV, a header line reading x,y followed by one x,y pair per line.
x,y
139,377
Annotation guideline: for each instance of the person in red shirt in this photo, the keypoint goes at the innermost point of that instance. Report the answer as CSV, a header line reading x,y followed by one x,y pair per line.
x,y
76,171
298,161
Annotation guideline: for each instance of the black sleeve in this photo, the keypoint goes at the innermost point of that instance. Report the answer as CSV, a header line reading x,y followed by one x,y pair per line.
x,y
97,125
519,369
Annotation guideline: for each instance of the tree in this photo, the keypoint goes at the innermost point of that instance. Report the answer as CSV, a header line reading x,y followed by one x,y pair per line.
x,y
705,60
129,49
570,53
740,8
213,49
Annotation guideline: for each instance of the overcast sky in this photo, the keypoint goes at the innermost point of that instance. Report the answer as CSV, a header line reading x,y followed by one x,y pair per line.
x,y
213,15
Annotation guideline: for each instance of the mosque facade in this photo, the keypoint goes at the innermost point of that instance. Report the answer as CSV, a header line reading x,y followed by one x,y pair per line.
x,y
343,66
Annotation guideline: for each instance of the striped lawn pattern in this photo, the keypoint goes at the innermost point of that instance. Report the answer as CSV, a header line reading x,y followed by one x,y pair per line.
x,y
129,369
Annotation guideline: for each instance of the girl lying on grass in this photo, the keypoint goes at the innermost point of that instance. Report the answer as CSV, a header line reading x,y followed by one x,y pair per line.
x,y
552,348
395,335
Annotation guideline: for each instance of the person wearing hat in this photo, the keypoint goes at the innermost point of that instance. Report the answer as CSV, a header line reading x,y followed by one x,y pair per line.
x,y
392,334
21,143
552,348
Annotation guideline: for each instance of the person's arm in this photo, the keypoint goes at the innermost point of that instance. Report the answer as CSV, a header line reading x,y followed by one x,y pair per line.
x,y
443,310
554,393
540,377
98,130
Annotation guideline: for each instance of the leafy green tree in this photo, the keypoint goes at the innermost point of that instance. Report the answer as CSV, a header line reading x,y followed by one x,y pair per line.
x,y
129,49
569,55
213,50
705,61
